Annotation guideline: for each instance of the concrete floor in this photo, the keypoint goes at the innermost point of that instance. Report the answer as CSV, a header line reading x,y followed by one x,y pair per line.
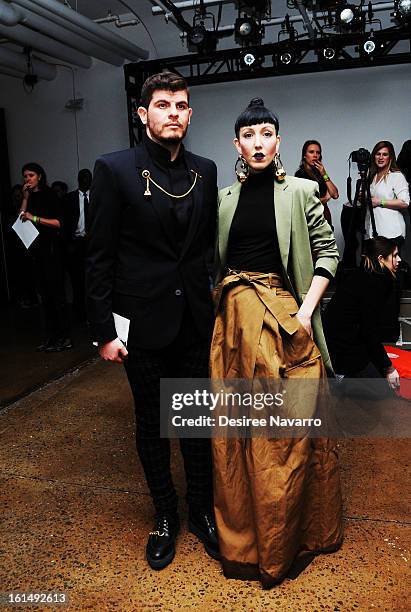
x,y
76,514
23,369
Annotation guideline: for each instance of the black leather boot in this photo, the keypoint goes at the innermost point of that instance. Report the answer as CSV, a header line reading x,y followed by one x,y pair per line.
x,y
202,524
160,549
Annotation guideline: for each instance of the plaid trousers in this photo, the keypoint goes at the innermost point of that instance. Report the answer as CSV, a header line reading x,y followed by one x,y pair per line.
x,y
186,357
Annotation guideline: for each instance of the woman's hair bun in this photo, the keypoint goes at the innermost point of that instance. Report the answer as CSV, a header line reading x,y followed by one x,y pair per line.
x,y
256,102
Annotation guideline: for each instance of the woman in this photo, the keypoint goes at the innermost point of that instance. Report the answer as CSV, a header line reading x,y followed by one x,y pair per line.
x,y
41,207
277,253
354,315
312,168
389,194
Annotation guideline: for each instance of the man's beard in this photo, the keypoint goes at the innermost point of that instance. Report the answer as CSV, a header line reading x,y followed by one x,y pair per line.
x,y
173,139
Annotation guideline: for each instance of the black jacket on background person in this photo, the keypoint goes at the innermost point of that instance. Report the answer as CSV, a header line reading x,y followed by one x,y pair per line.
x,y
352,321
135,264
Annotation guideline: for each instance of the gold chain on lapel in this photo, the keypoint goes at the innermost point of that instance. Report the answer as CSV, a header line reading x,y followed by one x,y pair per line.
x,y
146,174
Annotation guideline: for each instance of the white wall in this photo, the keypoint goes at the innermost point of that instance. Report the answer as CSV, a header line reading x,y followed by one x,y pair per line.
x,y
343,110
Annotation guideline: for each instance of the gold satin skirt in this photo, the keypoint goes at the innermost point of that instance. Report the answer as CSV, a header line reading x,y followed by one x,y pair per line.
x,y
277,501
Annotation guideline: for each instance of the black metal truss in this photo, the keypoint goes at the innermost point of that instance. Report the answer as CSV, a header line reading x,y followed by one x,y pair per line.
x,y
227,65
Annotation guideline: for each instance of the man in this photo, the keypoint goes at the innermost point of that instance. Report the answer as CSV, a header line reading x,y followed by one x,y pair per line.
x,y
76,206
152,225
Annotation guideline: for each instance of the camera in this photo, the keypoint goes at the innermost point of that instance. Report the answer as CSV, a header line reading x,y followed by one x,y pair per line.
x,y
362,157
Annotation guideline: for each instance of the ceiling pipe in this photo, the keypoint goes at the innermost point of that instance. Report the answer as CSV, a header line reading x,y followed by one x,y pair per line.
x,y
50,29
10,72
18,61
79,24
8,15
34,40
186,6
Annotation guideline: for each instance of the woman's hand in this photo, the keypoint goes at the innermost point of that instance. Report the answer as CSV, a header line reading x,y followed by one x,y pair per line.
x,y
393,378
305,321
113,351
320,167
26,216
375,202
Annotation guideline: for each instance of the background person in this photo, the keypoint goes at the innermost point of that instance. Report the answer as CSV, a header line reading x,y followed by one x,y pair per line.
x,y
389,194
41,206
353,316
75,226
312,168
274,245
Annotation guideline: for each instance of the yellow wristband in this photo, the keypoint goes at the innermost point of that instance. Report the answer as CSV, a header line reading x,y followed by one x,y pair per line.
x,y
382,203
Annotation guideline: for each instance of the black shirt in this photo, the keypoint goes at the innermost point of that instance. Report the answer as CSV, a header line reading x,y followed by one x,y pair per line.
x,y
176,178
44,203
352,320
253,243
316,176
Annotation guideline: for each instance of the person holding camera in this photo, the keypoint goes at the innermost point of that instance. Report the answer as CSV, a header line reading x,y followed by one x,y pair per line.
x,y
389,194
312,168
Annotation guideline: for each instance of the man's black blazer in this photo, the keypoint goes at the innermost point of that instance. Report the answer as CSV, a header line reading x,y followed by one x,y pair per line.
x,y
133,267
71,214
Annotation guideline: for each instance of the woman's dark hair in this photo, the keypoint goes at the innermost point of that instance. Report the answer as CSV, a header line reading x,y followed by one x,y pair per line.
x,y
33,167
254,114
392,166
373,248
312,172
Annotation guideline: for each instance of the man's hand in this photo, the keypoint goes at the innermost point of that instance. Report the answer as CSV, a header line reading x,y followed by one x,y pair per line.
x,y
113,351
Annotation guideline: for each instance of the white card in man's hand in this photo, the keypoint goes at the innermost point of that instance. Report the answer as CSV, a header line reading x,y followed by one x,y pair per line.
x,y
122,326
26,231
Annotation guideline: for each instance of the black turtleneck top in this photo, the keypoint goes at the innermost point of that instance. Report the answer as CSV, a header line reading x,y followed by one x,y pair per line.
x,y
253,242
176,178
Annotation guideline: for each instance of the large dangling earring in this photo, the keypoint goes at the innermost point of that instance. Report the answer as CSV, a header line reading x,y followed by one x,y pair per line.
x,y
280,173
242,169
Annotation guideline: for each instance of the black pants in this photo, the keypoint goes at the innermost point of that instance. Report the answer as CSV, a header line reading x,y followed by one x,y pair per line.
x,y
50,277
75,257
186,357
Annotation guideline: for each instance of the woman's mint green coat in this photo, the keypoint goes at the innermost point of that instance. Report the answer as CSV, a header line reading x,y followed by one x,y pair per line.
x,y
305,239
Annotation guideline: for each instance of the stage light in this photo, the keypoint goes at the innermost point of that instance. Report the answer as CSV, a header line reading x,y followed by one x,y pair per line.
x,y
247,31
328,53
200,40
402,10
345,15
197,35
369,46
349,17
286,57
251,59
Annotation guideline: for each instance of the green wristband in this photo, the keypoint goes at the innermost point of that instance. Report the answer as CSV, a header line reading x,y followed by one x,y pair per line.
x,y
326,177
34,219
382,203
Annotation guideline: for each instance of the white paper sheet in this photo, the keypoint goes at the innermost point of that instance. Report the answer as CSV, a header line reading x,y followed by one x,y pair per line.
x,y
26,231
122,326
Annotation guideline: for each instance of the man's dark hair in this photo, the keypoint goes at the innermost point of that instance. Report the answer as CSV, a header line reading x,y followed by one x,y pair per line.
x,y
63,186
168,81
254,114
83,173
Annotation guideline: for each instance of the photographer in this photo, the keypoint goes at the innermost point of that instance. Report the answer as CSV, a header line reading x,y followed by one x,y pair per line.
x,y
389,194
